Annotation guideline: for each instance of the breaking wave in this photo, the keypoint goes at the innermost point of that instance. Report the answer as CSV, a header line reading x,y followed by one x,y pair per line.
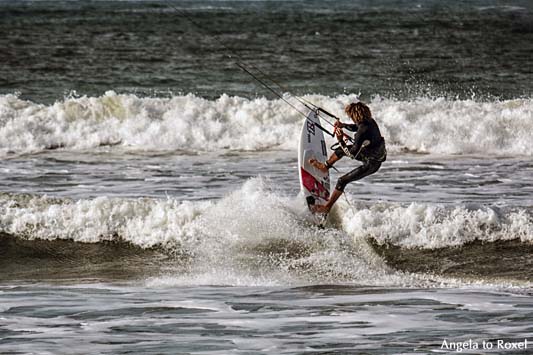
x,y
256,235
189,122
252,236
431,226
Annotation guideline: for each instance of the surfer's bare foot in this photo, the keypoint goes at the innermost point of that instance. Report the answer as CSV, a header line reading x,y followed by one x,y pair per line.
x,y
320,166
320,209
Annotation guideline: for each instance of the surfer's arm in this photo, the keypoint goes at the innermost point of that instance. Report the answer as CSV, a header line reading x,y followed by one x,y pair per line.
x,y
340,138
358,141
353,150
350,127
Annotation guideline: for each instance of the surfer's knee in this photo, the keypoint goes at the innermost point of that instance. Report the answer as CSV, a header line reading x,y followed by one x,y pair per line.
x,y
342,182
373,167
349,177
369,168
339,153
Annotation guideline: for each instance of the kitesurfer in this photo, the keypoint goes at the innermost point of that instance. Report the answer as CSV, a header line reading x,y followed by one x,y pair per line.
x,y
368,147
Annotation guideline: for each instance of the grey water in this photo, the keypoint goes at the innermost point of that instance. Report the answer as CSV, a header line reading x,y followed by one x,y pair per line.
x,y
147,319
405,178
64,304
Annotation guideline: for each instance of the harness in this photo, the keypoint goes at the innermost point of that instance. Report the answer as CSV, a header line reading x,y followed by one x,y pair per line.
x,y
346,150
342,144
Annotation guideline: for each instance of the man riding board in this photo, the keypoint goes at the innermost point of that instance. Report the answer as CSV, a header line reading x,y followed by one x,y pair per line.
x,y
368,147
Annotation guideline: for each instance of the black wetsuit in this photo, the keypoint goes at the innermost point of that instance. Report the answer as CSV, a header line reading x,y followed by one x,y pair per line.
x,y
372,154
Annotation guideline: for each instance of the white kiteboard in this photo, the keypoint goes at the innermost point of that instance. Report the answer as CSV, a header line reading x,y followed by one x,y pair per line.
x,y
315,184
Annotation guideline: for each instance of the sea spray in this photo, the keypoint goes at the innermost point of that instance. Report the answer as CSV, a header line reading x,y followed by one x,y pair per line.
x,y
431,226
256,234
142,222
188,122
251,234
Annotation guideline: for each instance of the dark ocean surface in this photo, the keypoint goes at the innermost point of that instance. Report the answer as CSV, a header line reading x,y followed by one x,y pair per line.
x,y
399,49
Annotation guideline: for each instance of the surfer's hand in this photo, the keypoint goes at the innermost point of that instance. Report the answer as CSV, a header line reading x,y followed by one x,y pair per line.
x,y
338,132
338,124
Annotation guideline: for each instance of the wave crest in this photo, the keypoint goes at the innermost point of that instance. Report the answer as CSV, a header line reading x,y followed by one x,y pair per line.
x,y
189,122
431,226
257,234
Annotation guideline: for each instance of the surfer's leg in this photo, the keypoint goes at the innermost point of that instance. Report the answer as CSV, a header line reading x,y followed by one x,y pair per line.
x,y
340,153
336,156
332,199
333,159
370,167
324,167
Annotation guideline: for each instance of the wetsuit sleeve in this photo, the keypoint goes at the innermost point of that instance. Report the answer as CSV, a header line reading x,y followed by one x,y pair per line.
x,y
350,127
359,138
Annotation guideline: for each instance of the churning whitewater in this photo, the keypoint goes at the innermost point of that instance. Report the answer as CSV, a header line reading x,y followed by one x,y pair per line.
x,y
255,211
257,235
194,124
212,185
252,236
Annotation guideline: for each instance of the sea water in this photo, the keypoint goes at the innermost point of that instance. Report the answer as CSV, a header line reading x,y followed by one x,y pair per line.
x,y
149,188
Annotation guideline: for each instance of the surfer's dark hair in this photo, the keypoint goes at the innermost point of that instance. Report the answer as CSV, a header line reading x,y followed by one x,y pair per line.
x,y
358,111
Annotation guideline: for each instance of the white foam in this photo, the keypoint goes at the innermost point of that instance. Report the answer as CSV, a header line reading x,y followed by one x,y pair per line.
x,y
192,123
435,226
143,222
253,236
257,236
458,127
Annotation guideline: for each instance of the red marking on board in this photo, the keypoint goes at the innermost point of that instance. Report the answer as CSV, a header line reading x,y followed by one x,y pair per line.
x,y
314,186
